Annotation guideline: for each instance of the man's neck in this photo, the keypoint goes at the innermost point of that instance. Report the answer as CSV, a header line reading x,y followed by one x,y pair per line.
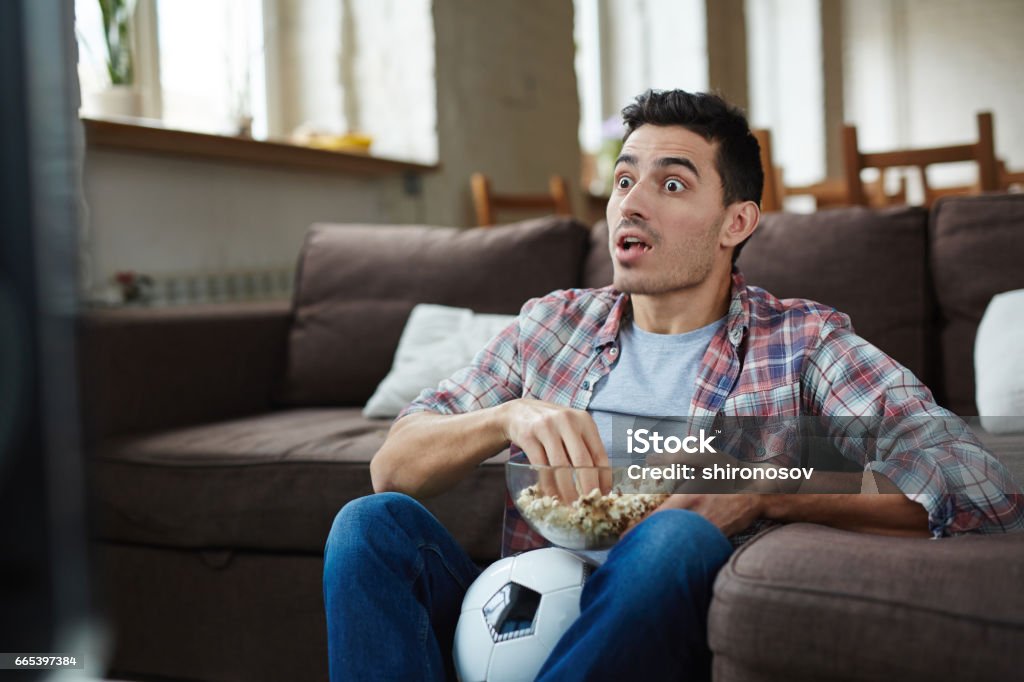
x,y
684,310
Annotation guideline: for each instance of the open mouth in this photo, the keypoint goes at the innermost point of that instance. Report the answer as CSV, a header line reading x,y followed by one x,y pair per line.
x,y
634,244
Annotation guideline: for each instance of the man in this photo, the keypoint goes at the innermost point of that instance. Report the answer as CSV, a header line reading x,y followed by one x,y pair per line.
x,y
678,333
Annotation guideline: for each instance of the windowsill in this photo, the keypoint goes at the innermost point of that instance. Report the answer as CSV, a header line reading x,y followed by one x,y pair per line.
x,y
149,136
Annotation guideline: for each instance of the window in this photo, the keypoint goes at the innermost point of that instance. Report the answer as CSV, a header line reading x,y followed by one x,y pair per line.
x,y
212,73
198,64
92,51
288,68
613,66
786,84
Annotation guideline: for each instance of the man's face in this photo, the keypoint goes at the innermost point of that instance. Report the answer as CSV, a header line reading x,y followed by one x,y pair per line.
x,y
665,211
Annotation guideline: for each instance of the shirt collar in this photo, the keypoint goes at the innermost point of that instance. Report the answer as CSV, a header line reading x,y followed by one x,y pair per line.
x,y
737,319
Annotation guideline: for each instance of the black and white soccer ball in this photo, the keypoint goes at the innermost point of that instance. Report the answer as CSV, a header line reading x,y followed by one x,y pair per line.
x,y
515,612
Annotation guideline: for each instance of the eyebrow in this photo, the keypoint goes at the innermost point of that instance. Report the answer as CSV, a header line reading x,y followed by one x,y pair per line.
x,y
663,162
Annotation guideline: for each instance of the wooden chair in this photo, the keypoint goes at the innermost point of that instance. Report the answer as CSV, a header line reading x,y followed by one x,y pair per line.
x,y
829,193
485,201
1010,180
981,152
832,192
771,195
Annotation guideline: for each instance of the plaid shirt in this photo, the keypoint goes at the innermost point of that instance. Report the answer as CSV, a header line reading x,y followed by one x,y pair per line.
x,y
778,358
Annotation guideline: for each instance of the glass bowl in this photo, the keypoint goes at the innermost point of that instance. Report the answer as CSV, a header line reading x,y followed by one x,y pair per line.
x,y
581,508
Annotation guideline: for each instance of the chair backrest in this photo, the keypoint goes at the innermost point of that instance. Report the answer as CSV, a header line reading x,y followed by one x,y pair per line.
x,y
771,195
832,193
829,193
981,152
486,201
1010,180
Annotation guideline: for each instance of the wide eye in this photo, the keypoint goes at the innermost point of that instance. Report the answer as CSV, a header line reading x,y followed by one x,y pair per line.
x,y
674,185
624,182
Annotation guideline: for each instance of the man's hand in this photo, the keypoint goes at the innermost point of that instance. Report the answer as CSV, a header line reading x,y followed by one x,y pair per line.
x,y
730,513
555,435
427,453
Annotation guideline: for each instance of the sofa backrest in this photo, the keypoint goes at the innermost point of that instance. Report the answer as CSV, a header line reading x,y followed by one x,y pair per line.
x,y
356,285
597,269
914,285
871,265
977,251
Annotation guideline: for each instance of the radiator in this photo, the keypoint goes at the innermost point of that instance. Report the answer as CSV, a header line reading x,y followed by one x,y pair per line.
x,y
251,284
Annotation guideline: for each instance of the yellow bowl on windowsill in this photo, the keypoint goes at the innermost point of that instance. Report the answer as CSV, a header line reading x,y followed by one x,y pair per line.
x,y
354,143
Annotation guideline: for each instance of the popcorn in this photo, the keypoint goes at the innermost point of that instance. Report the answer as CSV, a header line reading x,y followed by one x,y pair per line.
x,y
592,521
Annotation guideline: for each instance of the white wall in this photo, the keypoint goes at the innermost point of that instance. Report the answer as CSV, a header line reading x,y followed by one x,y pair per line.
x,y
166,216
507,101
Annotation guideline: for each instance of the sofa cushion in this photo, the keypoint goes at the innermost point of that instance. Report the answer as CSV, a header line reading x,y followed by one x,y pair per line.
x,y
272,482
868,264
437,341
597,269
977,251
999,364
357,283
806,602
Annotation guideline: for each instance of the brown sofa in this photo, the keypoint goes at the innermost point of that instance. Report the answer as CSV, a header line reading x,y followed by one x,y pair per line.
x,y
225,438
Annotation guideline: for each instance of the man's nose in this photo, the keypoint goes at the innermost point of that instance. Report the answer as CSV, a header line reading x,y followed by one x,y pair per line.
x,y
635,204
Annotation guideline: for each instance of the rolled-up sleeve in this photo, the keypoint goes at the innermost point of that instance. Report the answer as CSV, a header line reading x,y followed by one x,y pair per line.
x,y
926,451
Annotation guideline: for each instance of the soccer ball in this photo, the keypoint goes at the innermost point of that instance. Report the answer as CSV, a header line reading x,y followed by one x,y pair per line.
x,y
514,614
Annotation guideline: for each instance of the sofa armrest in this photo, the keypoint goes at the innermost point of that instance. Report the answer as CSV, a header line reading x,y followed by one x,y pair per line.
x,y
143,369
854,606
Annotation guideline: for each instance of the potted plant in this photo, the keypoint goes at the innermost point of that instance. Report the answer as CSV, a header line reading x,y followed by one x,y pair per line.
x,y
120,98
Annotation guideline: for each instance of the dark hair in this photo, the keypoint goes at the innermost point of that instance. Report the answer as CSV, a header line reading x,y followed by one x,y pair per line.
x,y
738,159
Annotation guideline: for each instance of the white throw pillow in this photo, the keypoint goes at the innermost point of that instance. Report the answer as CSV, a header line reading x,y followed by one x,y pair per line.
x,y
999,364
436,342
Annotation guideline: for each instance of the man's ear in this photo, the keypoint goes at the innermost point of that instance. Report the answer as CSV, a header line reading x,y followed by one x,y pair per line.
x,y
741,220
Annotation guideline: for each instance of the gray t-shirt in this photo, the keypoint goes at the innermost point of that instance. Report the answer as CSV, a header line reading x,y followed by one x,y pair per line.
x,y
653,377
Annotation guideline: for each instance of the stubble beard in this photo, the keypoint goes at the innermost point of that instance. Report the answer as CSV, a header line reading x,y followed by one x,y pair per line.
x,y
687,265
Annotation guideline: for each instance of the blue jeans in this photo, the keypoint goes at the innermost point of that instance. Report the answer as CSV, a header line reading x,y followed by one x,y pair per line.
x,y
394,580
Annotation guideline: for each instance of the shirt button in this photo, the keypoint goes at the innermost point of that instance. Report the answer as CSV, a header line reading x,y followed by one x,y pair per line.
x,y
735,335
586,385
614,351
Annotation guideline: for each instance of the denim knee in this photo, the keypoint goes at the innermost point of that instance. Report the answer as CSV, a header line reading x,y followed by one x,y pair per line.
x,y
363,515
676,543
